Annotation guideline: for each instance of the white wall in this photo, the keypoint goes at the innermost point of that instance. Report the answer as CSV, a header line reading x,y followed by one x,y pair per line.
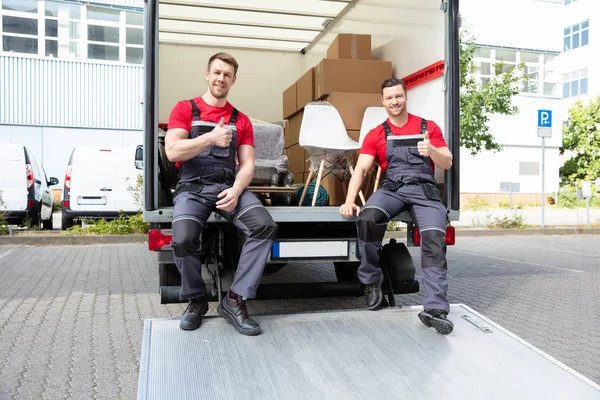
x,y
262,78
52,146
518,133
484,172
515,23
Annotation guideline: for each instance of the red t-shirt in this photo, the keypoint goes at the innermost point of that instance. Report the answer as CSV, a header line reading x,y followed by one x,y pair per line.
x,y
181,117
375,143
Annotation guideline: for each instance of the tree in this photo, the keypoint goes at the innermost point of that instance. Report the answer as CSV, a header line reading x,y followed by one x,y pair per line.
x,y
477,102
581,137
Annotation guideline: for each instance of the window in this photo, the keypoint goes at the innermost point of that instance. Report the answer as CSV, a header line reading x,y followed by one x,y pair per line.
x,y
29,6
576,36
134,38
575,83
68,29
63,30
539,67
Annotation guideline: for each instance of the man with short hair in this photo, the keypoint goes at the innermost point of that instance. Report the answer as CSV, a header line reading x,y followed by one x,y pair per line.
x,y
204,135
409,185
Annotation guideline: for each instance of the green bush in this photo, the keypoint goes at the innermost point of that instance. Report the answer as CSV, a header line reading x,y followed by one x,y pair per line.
x,y
511,222
567,198
124,225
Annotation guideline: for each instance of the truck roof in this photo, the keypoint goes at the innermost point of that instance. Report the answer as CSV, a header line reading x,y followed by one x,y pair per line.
x,y
292,26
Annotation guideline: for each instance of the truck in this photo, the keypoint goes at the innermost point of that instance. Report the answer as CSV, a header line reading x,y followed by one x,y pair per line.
x,y
341,354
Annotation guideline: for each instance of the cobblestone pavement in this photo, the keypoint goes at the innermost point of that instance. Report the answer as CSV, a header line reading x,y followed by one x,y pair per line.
x,y
71,317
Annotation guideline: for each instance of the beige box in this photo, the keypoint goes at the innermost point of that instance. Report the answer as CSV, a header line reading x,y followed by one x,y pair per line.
x,y
350,76
350,46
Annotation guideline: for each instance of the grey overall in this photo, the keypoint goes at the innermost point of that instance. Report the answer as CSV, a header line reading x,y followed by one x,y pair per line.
x,y
201,179
410,184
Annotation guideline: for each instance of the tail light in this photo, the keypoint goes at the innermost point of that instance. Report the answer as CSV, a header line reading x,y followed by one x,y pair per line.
x,y
158,238
450,236
30,204
29,176
66,203
68,176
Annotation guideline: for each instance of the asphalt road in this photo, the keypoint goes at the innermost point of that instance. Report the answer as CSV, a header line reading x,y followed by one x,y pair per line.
x,y
71,317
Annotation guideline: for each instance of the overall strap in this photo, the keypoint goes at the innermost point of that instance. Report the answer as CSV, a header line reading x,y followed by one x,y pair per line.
x,y
423,126
195,110
234,117
388,129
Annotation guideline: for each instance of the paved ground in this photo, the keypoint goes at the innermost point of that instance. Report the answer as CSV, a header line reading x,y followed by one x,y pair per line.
x,y
71,317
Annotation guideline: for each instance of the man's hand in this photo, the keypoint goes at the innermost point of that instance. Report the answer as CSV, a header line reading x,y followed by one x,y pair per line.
x,y
221,136
425,147
229,199
347,210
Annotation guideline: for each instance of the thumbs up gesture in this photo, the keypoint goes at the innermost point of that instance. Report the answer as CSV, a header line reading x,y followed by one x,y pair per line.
x,y
221,136
425,147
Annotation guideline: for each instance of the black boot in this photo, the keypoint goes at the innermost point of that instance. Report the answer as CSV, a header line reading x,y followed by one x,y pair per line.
x,y
234,310
192,317
373,294
438,319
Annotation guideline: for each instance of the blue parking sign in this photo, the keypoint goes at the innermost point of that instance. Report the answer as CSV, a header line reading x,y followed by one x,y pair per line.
x,y
544,119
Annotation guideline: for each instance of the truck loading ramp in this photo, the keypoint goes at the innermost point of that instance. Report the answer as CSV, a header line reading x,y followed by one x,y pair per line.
x,y
355,354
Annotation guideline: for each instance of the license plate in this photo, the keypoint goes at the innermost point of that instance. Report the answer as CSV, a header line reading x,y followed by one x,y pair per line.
x,y
309,249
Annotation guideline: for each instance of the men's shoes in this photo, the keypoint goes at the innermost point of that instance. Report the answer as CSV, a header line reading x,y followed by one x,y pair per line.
x,y
234,310
373,294
192,317
437,319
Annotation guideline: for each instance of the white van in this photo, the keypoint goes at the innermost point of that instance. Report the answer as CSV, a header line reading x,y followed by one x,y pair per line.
x,y
97,182
25,194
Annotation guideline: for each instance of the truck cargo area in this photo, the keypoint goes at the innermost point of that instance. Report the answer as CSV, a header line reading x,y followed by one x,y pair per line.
x,y
354,354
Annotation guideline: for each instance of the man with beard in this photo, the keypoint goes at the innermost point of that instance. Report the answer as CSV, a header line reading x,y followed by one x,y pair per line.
x,y
204,135
409,185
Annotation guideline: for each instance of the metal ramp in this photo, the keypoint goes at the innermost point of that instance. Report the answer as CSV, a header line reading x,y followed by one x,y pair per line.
x,y
351,355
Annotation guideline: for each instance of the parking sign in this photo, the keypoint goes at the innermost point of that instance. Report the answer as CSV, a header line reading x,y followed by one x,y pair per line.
x,y
544,119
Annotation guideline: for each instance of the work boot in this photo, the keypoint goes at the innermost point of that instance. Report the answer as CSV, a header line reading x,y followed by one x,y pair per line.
x,y
373,294
233,309
192,317
438,319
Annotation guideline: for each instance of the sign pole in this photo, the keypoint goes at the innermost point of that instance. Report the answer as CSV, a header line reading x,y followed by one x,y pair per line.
x,y
543,167
544,131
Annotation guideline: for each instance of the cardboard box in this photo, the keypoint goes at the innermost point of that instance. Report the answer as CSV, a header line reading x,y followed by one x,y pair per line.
x,y
350,76
293,134
350,46
296,159
289,101
352,106
305,89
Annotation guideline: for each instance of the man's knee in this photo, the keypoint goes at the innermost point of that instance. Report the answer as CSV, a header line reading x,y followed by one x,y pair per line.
x,y
186,236
260,224
372,223
433,246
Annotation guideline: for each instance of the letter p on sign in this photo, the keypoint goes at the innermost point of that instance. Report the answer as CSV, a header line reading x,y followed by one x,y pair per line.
x,y
544,119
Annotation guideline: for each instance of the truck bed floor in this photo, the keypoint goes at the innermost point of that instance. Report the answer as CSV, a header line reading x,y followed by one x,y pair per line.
x,y
357,354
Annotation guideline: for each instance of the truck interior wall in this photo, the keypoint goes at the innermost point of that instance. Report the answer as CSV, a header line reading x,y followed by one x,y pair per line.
x,y
262,77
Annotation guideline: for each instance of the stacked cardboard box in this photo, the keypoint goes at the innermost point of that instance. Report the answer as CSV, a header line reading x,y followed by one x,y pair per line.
x,y
350,81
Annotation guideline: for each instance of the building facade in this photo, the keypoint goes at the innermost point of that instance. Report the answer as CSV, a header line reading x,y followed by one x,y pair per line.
x,y
71,74
554,40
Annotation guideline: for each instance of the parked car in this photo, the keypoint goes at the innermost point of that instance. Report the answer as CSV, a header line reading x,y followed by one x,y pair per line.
x,y
25,195
97,184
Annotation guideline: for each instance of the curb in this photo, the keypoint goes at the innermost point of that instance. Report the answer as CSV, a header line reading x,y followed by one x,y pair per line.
x,y
60,240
